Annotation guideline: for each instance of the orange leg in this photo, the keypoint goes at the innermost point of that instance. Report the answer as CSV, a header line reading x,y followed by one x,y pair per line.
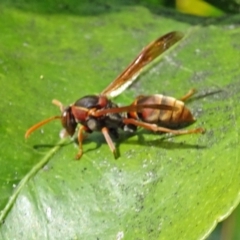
x,y
109,140
80,141
155,128
188,95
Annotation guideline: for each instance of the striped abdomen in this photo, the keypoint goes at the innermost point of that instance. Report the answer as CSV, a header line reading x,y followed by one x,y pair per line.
x,y
178,117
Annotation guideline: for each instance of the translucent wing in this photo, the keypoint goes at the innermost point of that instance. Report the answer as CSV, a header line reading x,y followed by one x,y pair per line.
x,y
147,55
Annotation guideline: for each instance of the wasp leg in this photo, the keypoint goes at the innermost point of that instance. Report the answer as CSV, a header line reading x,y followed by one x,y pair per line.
x,y
188,95
109,140
81,136
156,128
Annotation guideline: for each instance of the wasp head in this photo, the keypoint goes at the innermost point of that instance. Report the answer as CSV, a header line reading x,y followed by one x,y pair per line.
x,y
68,121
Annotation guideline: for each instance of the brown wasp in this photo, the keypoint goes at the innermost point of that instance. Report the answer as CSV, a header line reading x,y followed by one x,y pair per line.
x,y
156,113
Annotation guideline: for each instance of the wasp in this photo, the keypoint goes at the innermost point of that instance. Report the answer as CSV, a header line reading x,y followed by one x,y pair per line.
x,y
157,113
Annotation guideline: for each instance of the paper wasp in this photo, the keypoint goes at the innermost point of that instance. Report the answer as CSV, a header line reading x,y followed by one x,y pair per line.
x,y
156,113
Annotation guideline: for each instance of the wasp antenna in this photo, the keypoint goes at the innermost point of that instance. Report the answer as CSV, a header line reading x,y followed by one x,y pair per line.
x,y
59,104
38,125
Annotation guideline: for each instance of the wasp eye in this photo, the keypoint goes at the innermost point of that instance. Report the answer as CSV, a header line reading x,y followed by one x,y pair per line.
x,y
68,121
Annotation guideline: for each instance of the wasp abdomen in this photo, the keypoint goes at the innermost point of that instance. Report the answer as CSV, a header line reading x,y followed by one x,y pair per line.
x,y
178,117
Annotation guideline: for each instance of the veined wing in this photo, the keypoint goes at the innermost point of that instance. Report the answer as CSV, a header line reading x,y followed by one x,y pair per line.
x,y
147,55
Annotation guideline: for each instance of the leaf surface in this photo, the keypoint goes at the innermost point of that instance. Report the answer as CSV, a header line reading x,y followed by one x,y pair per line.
x,y
161,187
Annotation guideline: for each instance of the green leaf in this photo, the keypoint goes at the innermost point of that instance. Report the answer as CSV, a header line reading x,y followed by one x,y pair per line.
x,y
161,187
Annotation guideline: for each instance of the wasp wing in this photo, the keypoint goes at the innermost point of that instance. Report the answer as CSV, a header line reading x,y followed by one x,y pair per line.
x,y
147,55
